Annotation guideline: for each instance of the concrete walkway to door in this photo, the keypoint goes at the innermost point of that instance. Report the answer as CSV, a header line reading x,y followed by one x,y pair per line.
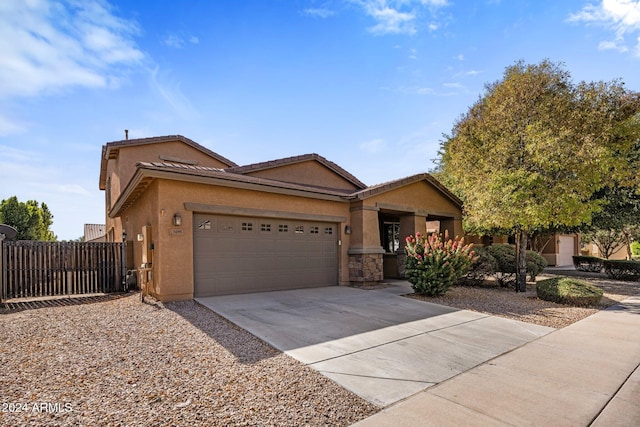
x,y
377,344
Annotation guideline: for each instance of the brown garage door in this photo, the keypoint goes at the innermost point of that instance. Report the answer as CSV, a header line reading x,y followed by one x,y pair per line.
x,y
241,254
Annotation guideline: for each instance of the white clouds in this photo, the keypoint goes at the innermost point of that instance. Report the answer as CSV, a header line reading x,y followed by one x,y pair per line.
x,y
620,16
400,16
318,13
47,46
10,126
391,20
171,93
178,42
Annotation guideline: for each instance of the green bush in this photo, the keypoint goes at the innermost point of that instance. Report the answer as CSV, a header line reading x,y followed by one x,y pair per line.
x,y
564,290
621,269
535,264
635,248
505,264
484,265
587,263
434,265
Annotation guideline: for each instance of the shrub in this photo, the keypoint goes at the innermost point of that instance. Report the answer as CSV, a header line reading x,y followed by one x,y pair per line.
x,y
505,264
564,290
433,265
535,264
587,263
621,269
635,248
484,265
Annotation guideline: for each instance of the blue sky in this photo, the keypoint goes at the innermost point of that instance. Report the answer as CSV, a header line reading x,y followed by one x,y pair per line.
x,y
369,84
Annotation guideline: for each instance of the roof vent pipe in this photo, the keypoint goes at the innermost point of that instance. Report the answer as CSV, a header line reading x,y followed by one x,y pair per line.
x,y
126,134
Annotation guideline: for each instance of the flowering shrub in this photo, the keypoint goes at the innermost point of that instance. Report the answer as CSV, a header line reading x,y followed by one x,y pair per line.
x,y
434,264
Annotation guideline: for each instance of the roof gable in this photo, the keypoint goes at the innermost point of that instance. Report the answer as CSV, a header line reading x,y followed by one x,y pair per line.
x,y
403,182
308,169
112,149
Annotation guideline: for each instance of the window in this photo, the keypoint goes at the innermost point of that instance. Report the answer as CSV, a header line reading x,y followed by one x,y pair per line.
x,y
265,227
328,230
314,230
391,236
283,228
300,229
247,226
204,225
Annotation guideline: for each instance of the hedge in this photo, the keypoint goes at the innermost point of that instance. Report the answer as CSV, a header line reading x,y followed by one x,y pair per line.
x,y
588,263
564,290
622,269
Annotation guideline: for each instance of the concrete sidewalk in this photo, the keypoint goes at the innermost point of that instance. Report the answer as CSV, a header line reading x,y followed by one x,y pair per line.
x,y
585,374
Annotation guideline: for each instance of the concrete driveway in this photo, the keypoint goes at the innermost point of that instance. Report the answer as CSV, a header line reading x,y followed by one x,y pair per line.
x,y
376,343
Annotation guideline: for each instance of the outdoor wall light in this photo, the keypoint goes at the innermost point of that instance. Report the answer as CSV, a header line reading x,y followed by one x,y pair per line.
x,y
347,229
177,220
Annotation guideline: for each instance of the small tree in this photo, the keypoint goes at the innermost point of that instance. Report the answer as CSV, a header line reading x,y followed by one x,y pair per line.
x,y
531,152
32,219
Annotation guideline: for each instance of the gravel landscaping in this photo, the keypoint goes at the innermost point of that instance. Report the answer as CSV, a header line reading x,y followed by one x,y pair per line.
x,y
526,307
115,361
112,360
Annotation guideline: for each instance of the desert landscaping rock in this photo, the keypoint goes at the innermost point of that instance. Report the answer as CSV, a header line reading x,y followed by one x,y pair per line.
x,y
526,307
115,361
121,362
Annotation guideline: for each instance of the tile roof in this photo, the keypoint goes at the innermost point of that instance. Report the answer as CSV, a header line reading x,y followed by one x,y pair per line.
x,y
225,174
168,138
299,159
391,185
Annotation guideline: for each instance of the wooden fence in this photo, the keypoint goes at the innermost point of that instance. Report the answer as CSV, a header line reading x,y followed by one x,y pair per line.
x,y
41,269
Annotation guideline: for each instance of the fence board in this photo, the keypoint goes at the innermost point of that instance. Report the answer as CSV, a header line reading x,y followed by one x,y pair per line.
x,y
40,269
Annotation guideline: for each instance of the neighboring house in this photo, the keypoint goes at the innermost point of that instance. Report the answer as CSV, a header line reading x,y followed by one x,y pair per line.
x,y
557,249
620,251
94,233
200,225
560,249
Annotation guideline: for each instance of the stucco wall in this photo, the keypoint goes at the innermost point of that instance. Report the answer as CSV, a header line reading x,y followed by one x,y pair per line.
x,y
309,172
122,169
173,253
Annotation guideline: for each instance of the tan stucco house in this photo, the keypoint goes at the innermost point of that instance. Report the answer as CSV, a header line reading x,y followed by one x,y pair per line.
x,y
198,224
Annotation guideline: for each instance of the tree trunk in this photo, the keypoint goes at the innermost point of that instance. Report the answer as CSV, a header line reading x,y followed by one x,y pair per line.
x,y
627,241
521,261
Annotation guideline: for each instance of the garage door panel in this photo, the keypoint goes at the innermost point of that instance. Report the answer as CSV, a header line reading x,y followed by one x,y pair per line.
x,y
248,254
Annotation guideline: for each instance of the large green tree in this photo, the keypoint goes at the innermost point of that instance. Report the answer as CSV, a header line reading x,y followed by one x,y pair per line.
x,y
32,219
531,152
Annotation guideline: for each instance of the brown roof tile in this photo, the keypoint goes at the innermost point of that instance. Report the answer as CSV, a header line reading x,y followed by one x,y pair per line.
x,y
391,185
298,159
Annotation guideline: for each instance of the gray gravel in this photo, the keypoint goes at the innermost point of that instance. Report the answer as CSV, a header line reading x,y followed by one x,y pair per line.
x,y
119,362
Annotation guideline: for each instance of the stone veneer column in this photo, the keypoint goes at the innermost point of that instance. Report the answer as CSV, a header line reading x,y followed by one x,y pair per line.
x,y
365,252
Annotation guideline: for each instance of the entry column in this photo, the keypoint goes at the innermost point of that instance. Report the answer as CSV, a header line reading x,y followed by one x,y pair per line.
x,y
365,252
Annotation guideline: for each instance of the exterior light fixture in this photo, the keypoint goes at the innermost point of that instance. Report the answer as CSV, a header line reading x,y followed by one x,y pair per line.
x,y
177,220
124,235
347,229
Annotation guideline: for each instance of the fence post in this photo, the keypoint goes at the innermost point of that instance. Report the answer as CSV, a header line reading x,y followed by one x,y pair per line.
x,y
3,291
123,257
